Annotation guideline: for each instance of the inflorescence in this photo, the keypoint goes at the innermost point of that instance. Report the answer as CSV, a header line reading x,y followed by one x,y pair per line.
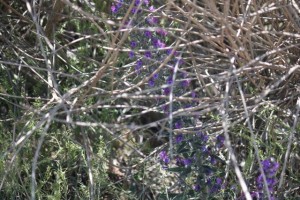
x,y
197,157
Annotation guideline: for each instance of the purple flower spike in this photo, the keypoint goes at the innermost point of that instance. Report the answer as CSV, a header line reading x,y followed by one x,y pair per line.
x,y
270,167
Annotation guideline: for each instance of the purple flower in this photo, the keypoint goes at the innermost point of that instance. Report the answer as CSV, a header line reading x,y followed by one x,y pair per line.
x,y
126,24
185,83
133,10
166,91
271,183
214,189
161,44
148,54
165,108
213,160
131,54
196,187
180,61
260,182
148,34
114,9
169,80
187,162
217,186
205,150
152,20
270,167
152,8
119,5
133,44
208,182
164,157
162,32
203,137
193,94
137,2
155,76
220,141
179,161
151,82
254,194
179,138
178,125
266,164
137,69
184,74
138,66
146,2
157,43
139,63
219,181
169,51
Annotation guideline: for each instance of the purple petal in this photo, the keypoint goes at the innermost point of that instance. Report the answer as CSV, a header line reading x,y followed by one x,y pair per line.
x,y
166,91
148,34
151,82
114,9
131,54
